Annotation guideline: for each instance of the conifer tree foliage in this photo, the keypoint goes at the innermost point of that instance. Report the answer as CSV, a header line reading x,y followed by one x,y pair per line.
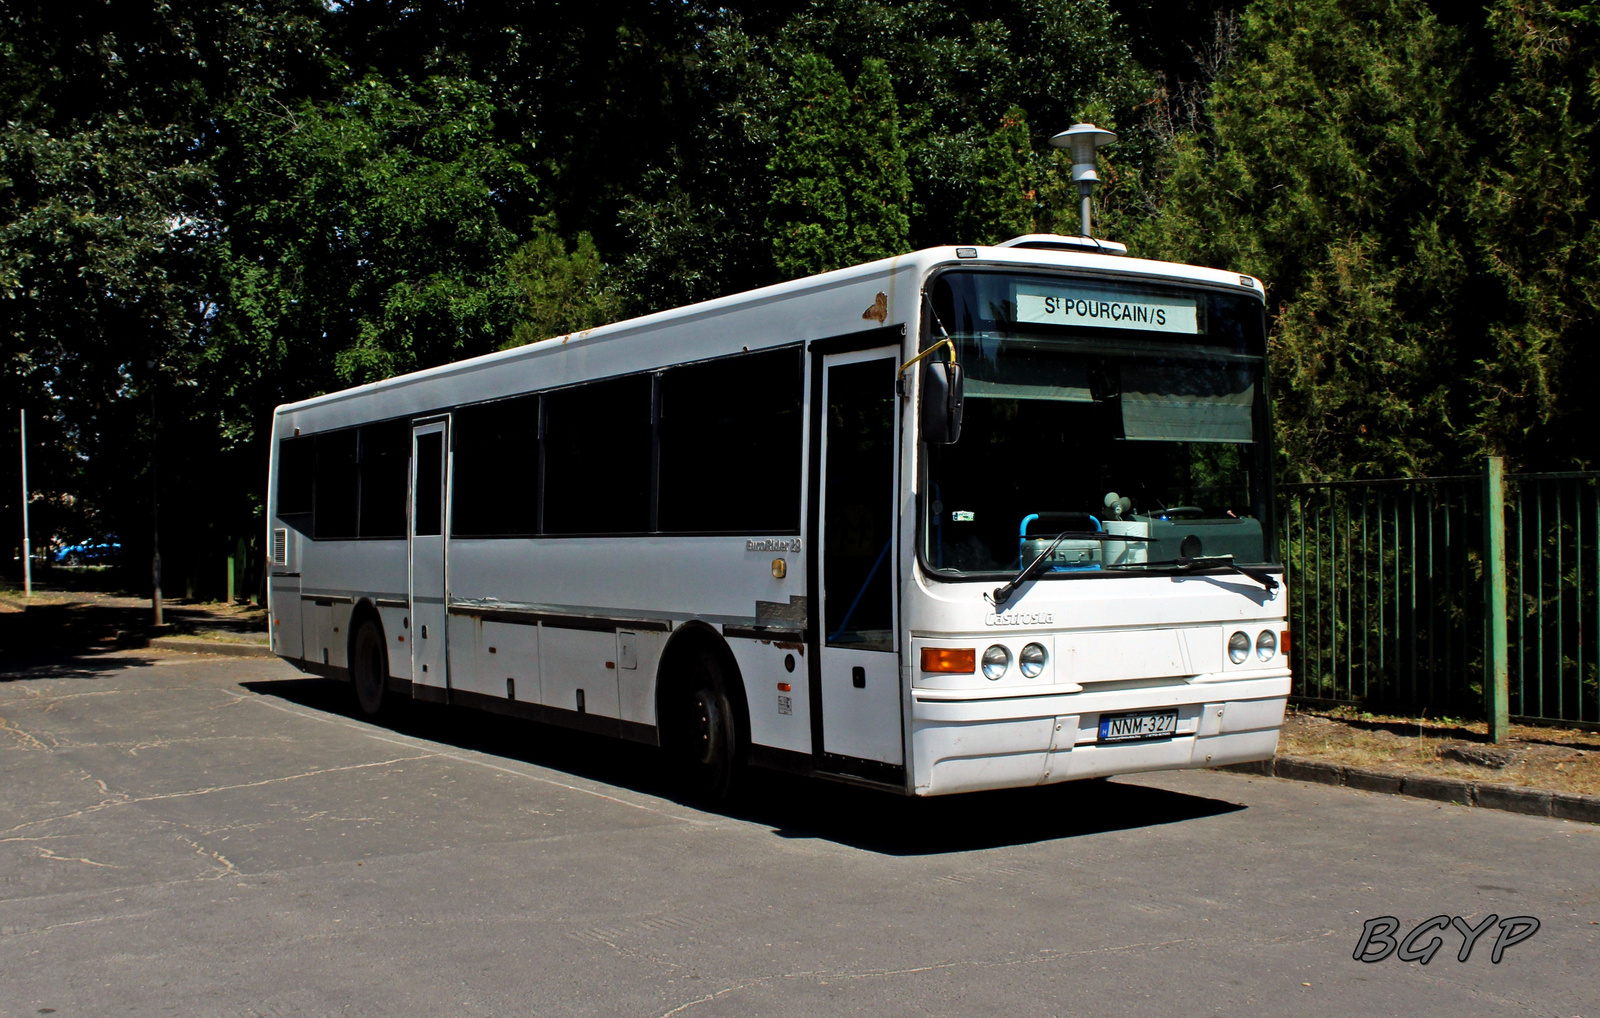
x,y
959,72
1416,195
693,224
1532,208
1333,172
810,204
840,189
1004,199
558,291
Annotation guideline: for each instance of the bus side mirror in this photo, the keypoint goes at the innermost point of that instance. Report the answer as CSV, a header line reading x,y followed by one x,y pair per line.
x,y
941,402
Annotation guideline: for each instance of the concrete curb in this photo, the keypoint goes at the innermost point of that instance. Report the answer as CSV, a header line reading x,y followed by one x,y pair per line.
x,y
1485,795
212,647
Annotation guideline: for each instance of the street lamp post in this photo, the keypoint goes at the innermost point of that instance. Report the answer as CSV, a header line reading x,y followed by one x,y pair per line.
x,y
155,498
27,544
1082,140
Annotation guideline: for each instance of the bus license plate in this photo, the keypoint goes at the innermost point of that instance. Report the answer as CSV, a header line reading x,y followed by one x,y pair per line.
x,y
1156,724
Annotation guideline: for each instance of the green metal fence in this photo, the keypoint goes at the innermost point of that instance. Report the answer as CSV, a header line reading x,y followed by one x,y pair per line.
x,y
1389,582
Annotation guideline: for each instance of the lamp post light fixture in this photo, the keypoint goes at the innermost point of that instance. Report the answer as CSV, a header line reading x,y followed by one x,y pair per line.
x,y
1082,140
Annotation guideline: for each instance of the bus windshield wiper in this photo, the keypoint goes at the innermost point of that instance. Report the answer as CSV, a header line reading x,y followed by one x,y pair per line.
x,y
1188,563
1003,593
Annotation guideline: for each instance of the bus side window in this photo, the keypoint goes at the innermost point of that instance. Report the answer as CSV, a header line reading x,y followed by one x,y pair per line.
x,y
495,491
430,485
385,462
337,485
730,445
296,463
597,451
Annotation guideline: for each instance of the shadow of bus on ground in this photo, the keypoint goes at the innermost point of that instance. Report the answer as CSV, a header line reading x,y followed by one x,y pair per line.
x,y
792,807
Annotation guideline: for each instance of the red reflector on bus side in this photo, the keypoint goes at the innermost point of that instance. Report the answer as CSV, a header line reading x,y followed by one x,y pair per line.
x,y
949,659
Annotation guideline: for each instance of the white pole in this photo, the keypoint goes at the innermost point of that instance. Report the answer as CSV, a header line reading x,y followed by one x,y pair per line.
x,y
27,552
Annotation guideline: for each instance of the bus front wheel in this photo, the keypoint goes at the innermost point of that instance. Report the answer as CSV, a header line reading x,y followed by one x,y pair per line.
x,y
369,667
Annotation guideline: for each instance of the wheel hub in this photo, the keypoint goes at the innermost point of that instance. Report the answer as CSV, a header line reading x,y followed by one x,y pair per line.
x,y
708,727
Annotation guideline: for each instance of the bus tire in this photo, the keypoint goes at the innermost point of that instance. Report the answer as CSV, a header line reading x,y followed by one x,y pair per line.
x,y
369,666
705,738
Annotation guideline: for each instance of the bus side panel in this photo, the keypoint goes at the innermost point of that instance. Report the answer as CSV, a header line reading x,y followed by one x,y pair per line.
x,y
638,659
283,605
779,699
283,565
497,659
316,631
728,580
578,670
395,633
336,574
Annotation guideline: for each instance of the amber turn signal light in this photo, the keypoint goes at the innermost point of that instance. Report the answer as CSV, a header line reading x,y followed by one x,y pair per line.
x,y
949,659
1283,642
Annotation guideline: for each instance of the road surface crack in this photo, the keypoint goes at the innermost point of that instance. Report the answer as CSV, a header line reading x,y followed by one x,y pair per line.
x,y
823,975
26,739
189,793
45,853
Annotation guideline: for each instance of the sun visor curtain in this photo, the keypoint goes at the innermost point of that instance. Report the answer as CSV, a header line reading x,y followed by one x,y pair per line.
x,y
984,388
1000,370
1187,402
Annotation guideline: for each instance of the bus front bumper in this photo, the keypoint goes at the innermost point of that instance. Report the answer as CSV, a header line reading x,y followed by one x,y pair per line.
x,y
967,745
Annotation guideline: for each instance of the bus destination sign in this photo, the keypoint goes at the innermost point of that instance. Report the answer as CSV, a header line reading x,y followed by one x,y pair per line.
x,y
1107,309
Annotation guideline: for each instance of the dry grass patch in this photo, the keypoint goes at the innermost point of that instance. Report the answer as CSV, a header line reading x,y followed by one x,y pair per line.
x,y
1561,760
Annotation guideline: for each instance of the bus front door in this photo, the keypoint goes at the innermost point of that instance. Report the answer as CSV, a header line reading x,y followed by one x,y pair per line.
x,y
857,675
427,565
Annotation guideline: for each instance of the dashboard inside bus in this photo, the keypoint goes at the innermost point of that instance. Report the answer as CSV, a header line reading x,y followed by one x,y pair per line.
x,y
1127,415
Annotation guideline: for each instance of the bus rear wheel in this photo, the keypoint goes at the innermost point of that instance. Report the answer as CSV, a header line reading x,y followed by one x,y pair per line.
x,y
704,734
369,667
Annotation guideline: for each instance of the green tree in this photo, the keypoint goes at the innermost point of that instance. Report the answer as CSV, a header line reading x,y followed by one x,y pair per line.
x,y
1004,197
810,207
1535,235
878,186
694,224
1333,171
694,227
109,226
368,234
559,291
840,190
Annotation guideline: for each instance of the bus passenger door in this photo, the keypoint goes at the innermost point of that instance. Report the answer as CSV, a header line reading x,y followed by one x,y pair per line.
x,y
858,660
429,475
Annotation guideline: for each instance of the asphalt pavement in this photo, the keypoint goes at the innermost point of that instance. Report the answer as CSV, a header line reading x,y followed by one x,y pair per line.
x,y
207,836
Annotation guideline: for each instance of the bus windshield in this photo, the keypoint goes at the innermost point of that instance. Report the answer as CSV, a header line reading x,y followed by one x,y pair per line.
x,y
1128,415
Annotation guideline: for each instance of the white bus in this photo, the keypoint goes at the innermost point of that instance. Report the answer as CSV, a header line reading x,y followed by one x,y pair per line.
x,y
749,532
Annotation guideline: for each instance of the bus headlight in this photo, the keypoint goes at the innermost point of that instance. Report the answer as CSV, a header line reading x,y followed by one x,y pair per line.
x,y
1238,648
1032,660
1266,645
995,662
